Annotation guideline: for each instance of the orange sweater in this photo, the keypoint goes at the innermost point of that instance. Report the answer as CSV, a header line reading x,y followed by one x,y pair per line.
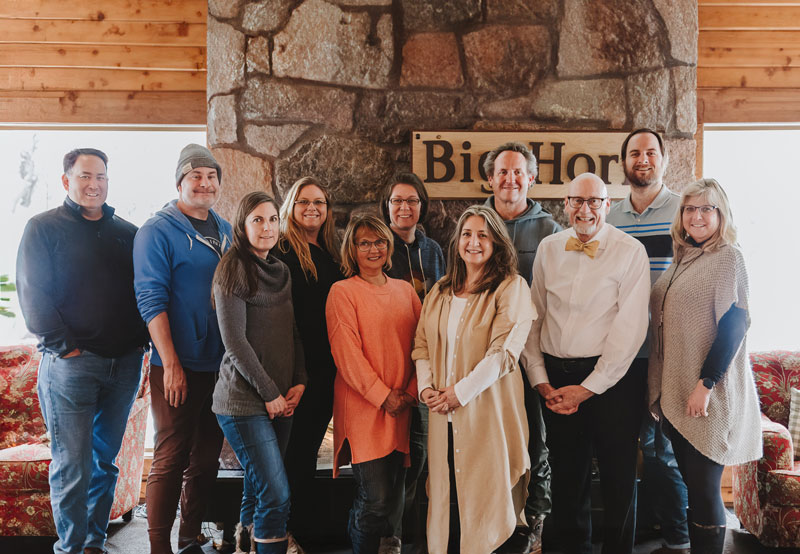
x,y
371,331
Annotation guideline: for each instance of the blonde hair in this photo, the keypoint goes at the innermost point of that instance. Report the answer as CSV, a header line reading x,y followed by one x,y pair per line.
x,y
292,235
349,248
712,191
501,265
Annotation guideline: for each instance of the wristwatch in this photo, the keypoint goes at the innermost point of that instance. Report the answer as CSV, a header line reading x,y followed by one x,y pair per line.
x,y
708,383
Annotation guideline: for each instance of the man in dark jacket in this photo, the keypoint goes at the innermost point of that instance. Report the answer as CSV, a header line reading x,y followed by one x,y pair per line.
x,y
511,169
175,255
75,284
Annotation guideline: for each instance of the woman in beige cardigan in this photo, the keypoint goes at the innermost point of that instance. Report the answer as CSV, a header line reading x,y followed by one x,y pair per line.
x,y
473,325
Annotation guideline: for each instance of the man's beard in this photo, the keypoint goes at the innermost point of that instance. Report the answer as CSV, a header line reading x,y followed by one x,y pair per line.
x,y
652,179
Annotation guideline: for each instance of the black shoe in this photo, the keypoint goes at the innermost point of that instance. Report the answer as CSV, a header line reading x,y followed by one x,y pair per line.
x,y
706,539
519,542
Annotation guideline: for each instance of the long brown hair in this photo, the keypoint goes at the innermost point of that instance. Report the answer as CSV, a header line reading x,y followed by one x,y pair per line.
x,y
293,236
237,268
501,265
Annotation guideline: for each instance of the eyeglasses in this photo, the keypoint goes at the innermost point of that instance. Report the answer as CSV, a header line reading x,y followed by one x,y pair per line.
x,y
704,210
316,203
412,202
366,245
594,202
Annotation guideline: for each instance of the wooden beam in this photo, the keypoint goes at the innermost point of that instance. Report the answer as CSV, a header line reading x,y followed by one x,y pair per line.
x,y
190,11
92,32
59,78
748,39
168,108
746,2
762,17
743,105
788,56
106,55
752,77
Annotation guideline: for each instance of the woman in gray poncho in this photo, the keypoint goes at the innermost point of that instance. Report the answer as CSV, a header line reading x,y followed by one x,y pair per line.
x,y
700,380
262,375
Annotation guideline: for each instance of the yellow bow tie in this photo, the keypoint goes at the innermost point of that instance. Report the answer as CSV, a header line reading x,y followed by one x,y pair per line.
x,y
589,248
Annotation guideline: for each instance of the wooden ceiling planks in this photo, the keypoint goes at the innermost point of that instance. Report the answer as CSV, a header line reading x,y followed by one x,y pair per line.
x,y
122,61
748,67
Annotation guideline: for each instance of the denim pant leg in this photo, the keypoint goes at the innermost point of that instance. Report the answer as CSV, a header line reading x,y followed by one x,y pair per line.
x,y
539,502
282,428
414,514
664,483
380,491
75,394
256,441
113,408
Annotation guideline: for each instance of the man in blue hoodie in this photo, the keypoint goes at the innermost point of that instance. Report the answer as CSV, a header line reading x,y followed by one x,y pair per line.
x,y
511,169
175,255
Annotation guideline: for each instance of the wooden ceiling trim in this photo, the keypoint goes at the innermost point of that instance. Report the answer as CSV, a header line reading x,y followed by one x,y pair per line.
x,y
750,77
82,31
57,78
763,17
163,108
751,105
189,11
120,56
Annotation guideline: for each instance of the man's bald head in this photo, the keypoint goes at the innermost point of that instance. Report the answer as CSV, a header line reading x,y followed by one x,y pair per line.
x,y
587,205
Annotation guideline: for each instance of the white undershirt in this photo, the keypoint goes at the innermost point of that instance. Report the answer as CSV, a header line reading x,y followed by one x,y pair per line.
x,y
486,372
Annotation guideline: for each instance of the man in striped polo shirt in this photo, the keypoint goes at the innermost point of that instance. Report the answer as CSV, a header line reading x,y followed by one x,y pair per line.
x,y
647,213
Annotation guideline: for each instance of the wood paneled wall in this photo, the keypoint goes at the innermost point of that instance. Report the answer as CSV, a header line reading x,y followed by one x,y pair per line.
x,y
115,61
748,67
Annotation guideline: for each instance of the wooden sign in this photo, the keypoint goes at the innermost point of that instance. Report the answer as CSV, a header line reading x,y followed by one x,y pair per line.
x,y
450,163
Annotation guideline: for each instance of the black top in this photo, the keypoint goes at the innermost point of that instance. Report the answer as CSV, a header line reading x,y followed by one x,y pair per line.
x,y
75,282
308,298
208,229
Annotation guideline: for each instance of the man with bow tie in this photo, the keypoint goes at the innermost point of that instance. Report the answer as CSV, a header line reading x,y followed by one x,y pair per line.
x,y
591,288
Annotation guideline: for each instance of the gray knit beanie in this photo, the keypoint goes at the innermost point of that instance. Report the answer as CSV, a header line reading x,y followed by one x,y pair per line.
x,y
194,156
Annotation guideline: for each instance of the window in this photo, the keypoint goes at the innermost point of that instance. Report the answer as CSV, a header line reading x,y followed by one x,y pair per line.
x,y
752,165
141,172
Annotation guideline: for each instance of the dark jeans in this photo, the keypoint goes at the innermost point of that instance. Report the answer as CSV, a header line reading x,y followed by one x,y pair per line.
x,y
607,426
415,513
703,478
185,458
259,443
378,503
539,502
309,424
662,494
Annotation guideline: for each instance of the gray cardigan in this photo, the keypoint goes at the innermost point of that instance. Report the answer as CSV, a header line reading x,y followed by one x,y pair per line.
x,y
263,354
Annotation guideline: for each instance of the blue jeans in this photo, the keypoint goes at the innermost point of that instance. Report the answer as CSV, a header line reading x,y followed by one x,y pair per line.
x,y
259,443
85,402
664,496
378,505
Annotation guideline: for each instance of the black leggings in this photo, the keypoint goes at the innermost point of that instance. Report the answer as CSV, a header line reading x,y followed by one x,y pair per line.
x,y
702,477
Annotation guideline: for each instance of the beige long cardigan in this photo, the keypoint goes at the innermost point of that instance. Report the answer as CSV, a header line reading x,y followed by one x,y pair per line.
x,y
490,433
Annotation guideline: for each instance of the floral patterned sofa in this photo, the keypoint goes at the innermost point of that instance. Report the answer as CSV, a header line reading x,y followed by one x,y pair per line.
x,y
25,449
766,493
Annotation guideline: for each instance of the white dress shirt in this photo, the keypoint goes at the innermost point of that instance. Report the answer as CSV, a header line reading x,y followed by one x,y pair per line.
x,y
589,306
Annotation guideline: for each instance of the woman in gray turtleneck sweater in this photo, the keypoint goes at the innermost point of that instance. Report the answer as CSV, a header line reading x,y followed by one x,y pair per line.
x,y
262,375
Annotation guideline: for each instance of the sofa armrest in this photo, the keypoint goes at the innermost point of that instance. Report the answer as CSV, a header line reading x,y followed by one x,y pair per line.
x,y
778,449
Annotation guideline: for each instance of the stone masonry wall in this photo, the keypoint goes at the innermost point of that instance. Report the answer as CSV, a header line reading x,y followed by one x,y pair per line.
x,y
333,88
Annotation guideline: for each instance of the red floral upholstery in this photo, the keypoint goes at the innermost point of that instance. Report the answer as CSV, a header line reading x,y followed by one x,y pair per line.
x,y
25,449
766,493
